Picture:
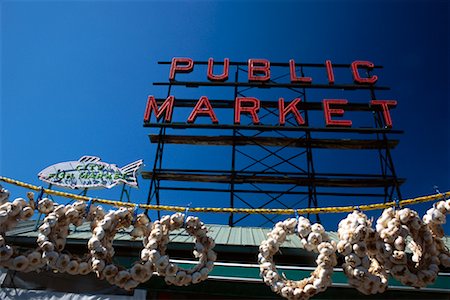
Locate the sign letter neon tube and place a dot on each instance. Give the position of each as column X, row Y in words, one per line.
column 291, row 108
column 330, row 73
column 251, row 106
column 385, row 107
column 335, row 111
column 294, row 77
column 358, row 79
column 166, row 107
column 256, row 67
column 181, row 65
column 221, row 77
column 203, row 107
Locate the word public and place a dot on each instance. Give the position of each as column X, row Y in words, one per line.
column 259, row 71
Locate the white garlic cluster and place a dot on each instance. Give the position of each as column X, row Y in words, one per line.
column 156, row 241
column 140, row 272
column 141, row 227
column 102, row 251
column 435, row 218
column 55, row 229
column 53, row 234
column 314, row 238
column 357, row 243
column 45, row 206
column 4, row 195
column 10, row 214
column 13, row 212
column 368, row 253
column 393, row 227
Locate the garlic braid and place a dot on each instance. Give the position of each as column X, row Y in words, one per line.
column 393, row 226
column 434, row 219
column 10, row 214
column 357, row 243
column 314, row 238
column 156, row 245
column 102, row 251
column 53, row 234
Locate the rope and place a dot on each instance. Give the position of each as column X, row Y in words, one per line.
column 322, row 210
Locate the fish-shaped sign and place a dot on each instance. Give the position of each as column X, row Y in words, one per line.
column 90, row 172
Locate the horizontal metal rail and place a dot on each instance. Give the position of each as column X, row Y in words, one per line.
column 271, row 128
column 339, row 194
column 270, row 179
column 222, row 140
column 274, row 85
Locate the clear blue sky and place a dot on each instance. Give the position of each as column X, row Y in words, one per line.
column 76, row 74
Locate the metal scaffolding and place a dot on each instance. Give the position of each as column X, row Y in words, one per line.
column 273, row 173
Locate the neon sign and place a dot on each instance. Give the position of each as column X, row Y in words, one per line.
column 259, row 71
column 90, row 172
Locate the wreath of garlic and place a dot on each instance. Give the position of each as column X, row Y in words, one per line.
column 156, row 244
column 54, row 231
column 435, row 218
column 357, row 243
column 393, row 227
column 313, row 238
column 10, row 214
column 102, row 251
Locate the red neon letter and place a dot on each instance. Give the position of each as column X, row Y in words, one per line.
column 203, row 107
column 330, row 73
column 290, row 108
column 258, row 69
column 186, row 66
column 359, row 79
column 385, row 107
column 339, row 112
column 252, row 107
column 166, row 107
column 294, row 77
column 221, row 77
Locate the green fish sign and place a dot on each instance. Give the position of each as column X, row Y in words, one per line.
column 90, row 172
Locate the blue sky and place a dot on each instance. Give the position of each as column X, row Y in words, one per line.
column 75, row 75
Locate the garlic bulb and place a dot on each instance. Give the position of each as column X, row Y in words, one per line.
column 5, row 252
column 45, row 206
column 73, row 267
column 20, row 263
column 4, row 195
column 121, row 278
column 34, row 258
column 84, row 268
column 130, row 285
column 139, row 272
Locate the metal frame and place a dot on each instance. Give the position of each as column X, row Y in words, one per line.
column 257, row 168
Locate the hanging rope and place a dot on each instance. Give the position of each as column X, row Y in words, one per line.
column 321, row 210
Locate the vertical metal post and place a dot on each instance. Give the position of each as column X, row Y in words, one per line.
column 386, row 161
column 36, row 225
column 233, row 156
column 125, row 192
column 157, row 165
column 312, row 191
